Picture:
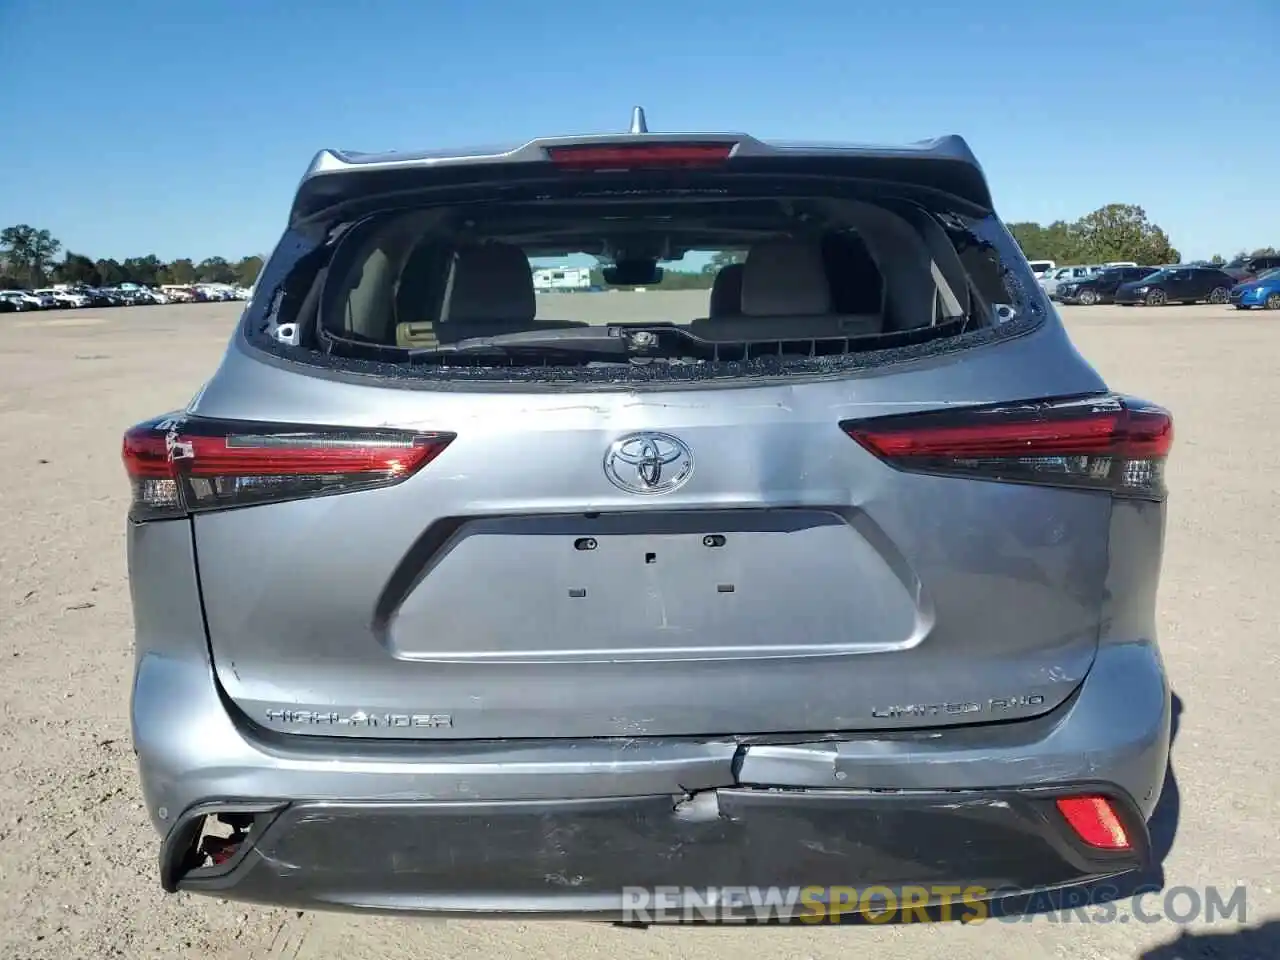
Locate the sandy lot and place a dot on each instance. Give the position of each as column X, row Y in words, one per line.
column 77, row 856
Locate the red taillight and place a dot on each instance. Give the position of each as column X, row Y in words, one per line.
column 1094, row 821
column 625, row 156
column 1102, row 442
column 186, row 465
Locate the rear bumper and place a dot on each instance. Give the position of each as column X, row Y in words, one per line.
column 558, row 828
column 608, row 858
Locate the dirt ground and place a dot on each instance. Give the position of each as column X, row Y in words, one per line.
column 77, row 854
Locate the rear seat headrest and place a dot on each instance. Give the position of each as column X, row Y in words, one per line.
column 726, row 292
column 785, row 277
column 491, row 281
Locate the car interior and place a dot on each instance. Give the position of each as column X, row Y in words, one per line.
column 837, row 270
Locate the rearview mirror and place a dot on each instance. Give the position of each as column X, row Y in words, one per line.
column 633, row 273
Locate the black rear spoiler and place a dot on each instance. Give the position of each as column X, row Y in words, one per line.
column 335, row 177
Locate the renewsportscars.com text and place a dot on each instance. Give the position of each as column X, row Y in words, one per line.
column 927, row 904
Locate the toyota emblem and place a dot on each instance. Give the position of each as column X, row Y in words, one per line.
column 648, row 463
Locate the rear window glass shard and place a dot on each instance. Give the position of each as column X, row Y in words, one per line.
column 604, row 285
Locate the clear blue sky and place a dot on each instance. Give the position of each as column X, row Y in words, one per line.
column 181, row 128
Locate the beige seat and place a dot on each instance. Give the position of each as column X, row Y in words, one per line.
column 490, row 293
column 785, row 295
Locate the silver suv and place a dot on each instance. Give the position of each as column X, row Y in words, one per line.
column 451, row 597
column 1054, row 279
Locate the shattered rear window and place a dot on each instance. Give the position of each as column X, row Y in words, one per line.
column 650, row 287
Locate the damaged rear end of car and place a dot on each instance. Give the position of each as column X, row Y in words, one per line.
column 840, row 570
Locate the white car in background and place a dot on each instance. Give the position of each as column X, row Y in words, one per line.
column 178, row 294
column 1040, row 267
column 64, row 298
column 1051, row 280
column 148, row 295
column 39, row 301
column 220, row 291
column 25, row 301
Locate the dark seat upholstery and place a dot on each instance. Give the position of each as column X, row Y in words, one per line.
column 726, row 292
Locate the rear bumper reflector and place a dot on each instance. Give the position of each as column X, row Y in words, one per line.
column 1095, row 822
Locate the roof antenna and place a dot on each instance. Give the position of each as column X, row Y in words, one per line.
column 638, row 123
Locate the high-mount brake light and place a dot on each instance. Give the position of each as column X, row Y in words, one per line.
column 1106, row 443
column 185, row 465
column 626, row 156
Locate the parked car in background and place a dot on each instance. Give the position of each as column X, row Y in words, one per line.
column 134, row 295
column 220, row 291
column 121, row 297
column 1261, row 291
column 1182, row 284
column 99, row 298
column 177, row 293
column 1243, row 269
column 64, row 298
column 1100, row 288
column 23, row 299
column 1061, row 275
column 149, row 297
column 1040, row 267
column 8, row 306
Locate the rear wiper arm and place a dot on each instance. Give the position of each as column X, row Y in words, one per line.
column 610, row 341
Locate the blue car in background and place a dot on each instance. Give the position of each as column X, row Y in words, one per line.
column 1262, row 291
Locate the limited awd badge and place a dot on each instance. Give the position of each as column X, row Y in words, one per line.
column 648, row 463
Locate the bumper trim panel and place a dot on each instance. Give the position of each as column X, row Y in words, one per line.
column 575, row 857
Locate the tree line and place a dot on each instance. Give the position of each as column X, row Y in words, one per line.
column 29, row 259
column 1118, row 231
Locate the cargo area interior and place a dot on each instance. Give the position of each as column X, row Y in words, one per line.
column 808, row 276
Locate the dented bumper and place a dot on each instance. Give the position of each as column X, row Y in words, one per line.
column 589, row 857
column 559, row 828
